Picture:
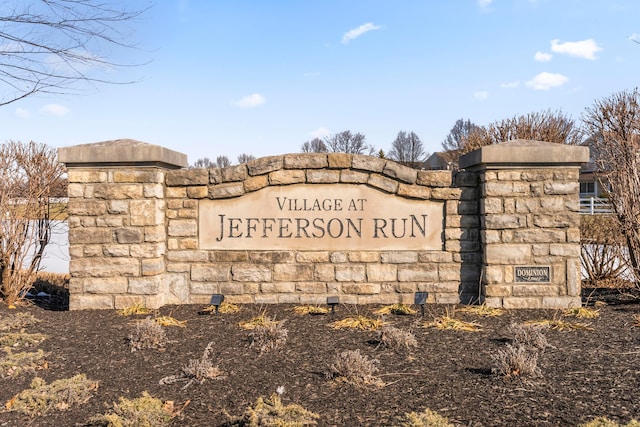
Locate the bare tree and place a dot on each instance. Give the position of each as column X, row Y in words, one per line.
column 50, row 46
column 347, row 142
column 204, row 162
column 408, row 149
column 614, row 123
column 244, row 158
column 29, row 175
column 316, row 145
column 222, row 162
column 458, row 135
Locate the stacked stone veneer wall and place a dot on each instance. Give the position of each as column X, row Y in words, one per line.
column 134, row 232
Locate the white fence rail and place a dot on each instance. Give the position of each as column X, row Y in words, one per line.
column 595, row 205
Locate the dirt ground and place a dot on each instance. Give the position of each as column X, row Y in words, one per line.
column 584, row 373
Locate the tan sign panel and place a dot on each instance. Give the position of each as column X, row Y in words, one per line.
column 320, row 217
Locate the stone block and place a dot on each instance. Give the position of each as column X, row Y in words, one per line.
column 117, row 191
column 338, row 257
column 266, row 299
column 491, row 205
column 539, row 236
column 287, row 176
column 494, row 274
column 178, row 288
column 534, row 290
column 229, row 256
column 129, row 235
column 188, row 256
column 556, row 188
column 350, row 273
column 156, row 233
column 145, row 285
column 234, row 173
column 197, row 192
column 399, row 257
column 561, row 302
column 226, row 190
column 557, row 220
column 521, row 302
column 208, row 288
column 250, row 273
column 210, row 273
column 322, row 176
column 255, row 183
column 111, row 285
column 91, row 302
column 446, row 193
column 435, row 178
column 383, row 183
column 339, row 160
column 85, row 176
column 116, row 250
column 231, row 288
column 507, row 253
column 153, row 191
column 186, row 177
column 278, row 287
column 139, row 176
column 363, row 257
column 183, row 228
column 288, row 298
column 448, row 272
column 565, row 250
column 360, row 289
column 147, row 212
column 436, row 257
column 400, row 172
column 89, row 207
column 264, row 165
column 368, row 163
column 502, row 221
column 175, row 192
column 147, row 250
column 271, row 257
column 418, row 273
column 414, row 191
column 293, row 272
column 110, row 221
column 311, row 287
column 324, row 272
column 382, row 272
column 104, row 267
column 448, row 298
column 305, row 161
column 354, row 177
column 313, row 257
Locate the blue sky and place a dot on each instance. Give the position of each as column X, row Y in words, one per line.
column 262, row 77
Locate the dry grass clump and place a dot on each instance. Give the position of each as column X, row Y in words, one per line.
column 396, row 338
column 14, row 364
column 170, row 321
column 358, row 322
column 144, row 411
column 529, row 335
column 17, row 321
column 147, row 334
column 59, row 395
column 561, row 325
column 197, row 370
column 426, row 418
column 605, row 422
column 271, row 412
column 516, row 361
column 636, row 320
column 269, row 336
column 398, row 308
column 260, row 320
column 482, row 310
column 224, row 308
column 21, row 339
column 448, row 321
column 355, row 368
column 582, row 312
column 134, row 309
column 311, row 310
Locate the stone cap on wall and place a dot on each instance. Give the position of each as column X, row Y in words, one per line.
column 121, row 152
column 523, row 152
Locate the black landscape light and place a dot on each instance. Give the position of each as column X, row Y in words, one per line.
column 332, row 302
column 216, row 300
column 421, row 299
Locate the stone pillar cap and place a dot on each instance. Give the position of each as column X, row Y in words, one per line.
column 121, row 152
column 524, row 152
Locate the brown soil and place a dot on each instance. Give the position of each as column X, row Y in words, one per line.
column 585, row 374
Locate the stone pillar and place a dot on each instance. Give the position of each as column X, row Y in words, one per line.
column 529, row 222
column 117, row 231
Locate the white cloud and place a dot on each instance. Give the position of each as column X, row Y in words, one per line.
column 55, row 110
column 357, row 32
column 22, row 113
column 484, row 3
column 542, row 57
column 582, row 49
column 321, row 132
column 481, row 95
column 546, row 81
column 250, row 101
column 510, row 85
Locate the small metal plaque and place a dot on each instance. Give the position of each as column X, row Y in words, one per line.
column 532, row 274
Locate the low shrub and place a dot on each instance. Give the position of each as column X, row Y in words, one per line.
column 352, row 367
column 396, row 339
column 147, row 334
column 426, row 418
column 59, row 395
column 516, row 361
column 170, row 321
column 269, row 336
column 17, row 321
column 197, row 370
column 21, row 339
column 134, row 309
column 605, row 422
column 144, row 411
column 529, row 335
column 271, row 412
column 14, row 364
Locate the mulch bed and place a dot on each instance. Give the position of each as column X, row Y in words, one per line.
column 585, row 374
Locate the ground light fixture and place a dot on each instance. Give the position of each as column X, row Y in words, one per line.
column 332, row 302
column 420, row 299
column 216, row 300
